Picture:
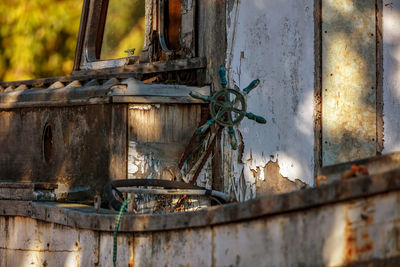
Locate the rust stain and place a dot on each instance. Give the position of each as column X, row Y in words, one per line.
column 354, row 171
column 132, row 248
column 370, row 219
column 351, row 250
column 321, row 180
column 365, row 235
column 366, row 247
column 358, row 244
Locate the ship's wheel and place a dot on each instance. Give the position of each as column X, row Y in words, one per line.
column 228, row 107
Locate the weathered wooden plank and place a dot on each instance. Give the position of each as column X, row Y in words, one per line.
column 107, row 64
column 348, row 80
column 118, row 142
column 17, row 185
column 124, row 72
column 163, row 123
column 62, row 103
column 26, row 191
column 153, row 67
column 188, row 27
column 212, row 36
column 158, row 135
column 17, row 193
column 125, row 92
column 155, row 100
column 136, row 87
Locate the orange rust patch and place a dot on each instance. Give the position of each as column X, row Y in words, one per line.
column 365, row 235
column 370, row 219
column 351, row 245
column 357, row 244
column 351, row 239
column 351, row 250
column 367, row 247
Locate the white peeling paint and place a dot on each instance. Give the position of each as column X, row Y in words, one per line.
column 144, row 165
column 391, row 76
column 144, row 106
column 274, row 41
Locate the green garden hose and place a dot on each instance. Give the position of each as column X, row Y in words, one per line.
column 121, row 211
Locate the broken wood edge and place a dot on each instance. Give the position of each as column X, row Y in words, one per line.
column 333, row 193
column 146, row 68
column 128, row 71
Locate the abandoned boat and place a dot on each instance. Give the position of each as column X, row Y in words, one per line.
column 157, row 159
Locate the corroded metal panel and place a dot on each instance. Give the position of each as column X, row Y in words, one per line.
column 357, row 232
column 348, row 80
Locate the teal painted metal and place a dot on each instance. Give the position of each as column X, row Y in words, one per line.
column 227, row 112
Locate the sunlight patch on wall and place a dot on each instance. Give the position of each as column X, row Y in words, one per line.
column 304, row 117
column 334, row 246
column 348, row 81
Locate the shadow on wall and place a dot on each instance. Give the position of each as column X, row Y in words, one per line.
column 391, row 75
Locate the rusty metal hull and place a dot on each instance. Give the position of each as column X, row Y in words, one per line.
column 343, row 223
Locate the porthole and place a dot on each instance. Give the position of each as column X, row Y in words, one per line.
column 47, row 143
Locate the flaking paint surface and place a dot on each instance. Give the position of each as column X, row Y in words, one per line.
column 338, row 234
column 348, row 80
column 272, row 41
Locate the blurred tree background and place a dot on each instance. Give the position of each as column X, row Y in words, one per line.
column 38, row 37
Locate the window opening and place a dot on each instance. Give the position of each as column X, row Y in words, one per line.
column 124, row 32
column 47, row 143
column 170, row 24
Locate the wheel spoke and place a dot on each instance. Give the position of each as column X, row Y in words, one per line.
column 218, row 104
column 235, row 101
column 230, row 120
column 226, row 94
column 237, row 110
column 220, row 113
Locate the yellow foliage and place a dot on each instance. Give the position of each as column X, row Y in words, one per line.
column 37, row 37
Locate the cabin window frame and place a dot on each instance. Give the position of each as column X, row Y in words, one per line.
column 91, row 33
